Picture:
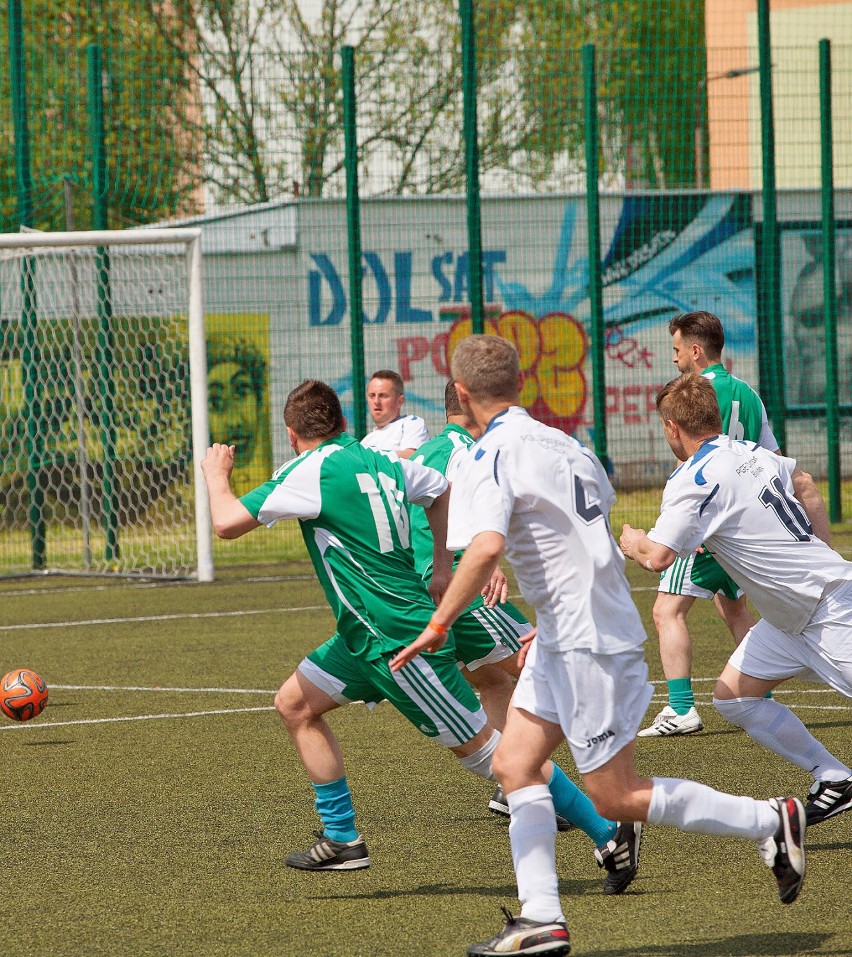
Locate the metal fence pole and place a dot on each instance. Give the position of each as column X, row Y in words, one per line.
column 773, row 364
column 28, row 340
column 832, row 412
column 106, row 346
column 353, row 230
column 596, row 324
column 471, row 152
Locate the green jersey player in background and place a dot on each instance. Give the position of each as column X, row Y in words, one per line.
column 697, row 341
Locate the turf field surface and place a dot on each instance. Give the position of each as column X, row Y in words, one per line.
column 148, row 810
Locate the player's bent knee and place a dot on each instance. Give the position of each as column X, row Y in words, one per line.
column 490, row 678
column 290, row 704
column 482, row 760
column 737, row 710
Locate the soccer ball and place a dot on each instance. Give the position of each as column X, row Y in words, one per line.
column 23, row 694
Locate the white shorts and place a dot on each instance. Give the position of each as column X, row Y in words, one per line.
column 599, row 701
column 822, row 652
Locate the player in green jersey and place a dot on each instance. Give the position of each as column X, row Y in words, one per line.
column 352, row 504
column 697, row 342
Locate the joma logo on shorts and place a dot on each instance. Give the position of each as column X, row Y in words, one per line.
column 599, row 737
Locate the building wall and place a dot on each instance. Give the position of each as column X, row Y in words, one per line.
column 733, row 105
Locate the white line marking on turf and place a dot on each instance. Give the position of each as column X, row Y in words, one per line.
column 141, row 717
column 116, row 585
column 29, row 626
column 161, row 688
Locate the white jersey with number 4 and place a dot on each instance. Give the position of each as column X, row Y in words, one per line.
column 737, row 499
column 550, row 498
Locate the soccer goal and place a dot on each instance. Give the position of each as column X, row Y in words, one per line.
column 103, row 404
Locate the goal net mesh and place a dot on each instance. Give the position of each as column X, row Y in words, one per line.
column 96, row 470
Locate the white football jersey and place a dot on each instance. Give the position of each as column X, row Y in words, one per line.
column 406, row 432
column 550, row 498
column 737, row 499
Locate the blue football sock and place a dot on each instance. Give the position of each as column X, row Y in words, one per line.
column 572, row 804
column 681, row 698
column 334, row 806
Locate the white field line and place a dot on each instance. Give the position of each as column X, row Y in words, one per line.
column 68, row 589
column 201, row 714
column 139, row 717
column 30, row 626
column 162, row 688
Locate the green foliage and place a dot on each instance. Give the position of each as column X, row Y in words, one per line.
column 242, row 99
column 152, row 169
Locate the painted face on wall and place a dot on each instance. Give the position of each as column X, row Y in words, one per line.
column 233, row 410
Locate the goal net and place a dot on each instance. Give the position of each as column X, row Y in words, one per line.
column 103, row 407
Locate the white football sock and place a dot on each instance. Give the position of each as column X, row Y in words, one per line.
column 480, row 761
column 691, row 806
column 774, row 725
column 532, row 833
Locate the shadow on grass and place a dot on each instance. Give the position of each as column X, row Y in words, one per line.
column 508, row 891
column 743, row 945
column 56, row 742
column 833, row 846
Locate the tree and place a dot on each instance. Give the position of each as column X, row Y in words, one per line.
column 151, row 172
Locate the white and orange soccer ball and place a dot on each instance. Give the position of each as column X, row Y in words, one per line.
column 23, row 694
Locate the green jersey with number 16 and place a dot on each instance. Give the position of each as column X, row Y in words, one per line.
column 743, row 413
column 441, row 454
column 352, row 506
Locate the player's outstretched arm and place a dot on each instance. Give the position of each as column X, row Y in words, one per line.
column 651, row 555
column 475, row 569
column 231, row 518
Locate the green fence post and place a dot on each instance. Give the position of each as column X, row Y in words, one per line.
column 832, row 411
column 773, row 364
column 593, row 215
column 471, row 155
column 105, row 347
column 353, row 230
column 28, row 342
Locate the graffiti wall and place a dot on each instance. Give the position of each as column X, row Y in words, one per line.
column 662, row 255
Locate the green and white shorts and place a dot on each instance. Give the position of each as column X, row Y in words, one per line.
column 487, row 635
column 699, row 576
column 430, row 690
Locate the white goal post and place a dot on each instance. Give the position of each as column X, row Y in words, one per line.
column 103, row 404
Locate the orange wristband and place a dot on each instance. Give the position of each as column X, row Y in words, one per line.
column 441, row 629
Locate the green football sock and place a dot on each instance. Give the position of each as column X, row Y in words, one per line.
column 681, row 698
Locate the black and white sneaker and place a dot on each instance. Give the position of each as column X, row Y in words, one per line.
column 329, row 855
column 523, row 936
column 620, row 857
column 668, row 723
column 828, row 798
column 499, row 805
column 784, row 851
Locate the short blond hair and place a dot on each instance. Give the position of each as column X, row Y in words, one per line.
column 488, row 367
column 690, row 402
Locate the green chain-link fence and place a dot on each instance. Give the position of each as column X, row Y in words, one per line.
column 706, row 123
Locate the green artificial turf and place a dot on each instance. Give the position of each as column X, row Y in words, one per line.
column 166, row 835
